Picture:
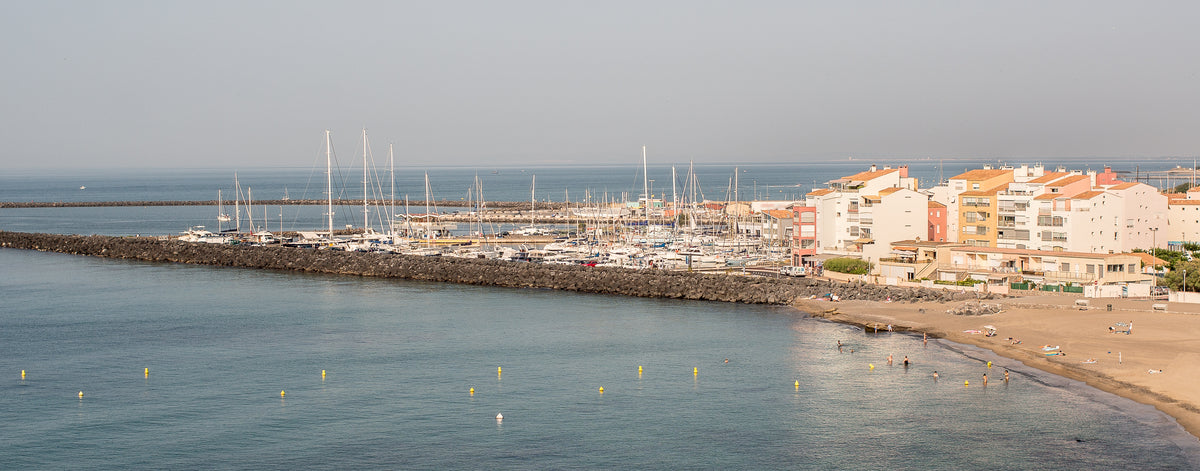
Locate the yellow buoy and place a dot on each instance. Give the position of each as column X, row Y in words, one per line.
column 22, row 374
column 797, row 385
column 81, row 394
column 695, row 371
column 871, row 365
column 472, row 391
column 499, row 370
column 322, row 374
column 966, row 383
column 147, row 372
column 281, row 393
column 639, row 369
column 601, row 389
column 989, row 364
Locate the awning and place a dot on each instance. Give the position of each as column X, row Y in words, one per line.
column 864, row 241
column 904, row 252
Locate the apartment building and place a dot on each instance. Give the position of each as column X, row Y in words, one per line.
column 937, row 222
column 864, row 212
column 983, row 184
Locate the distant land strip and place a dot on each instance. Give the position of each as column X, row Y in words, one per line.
column 339, row 202
column 603, row 280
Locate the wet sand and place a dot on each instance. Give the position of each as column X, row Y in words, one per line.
column 1167, row 341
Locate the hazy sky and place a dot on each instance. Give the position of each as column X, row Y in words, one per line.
column 230, row 84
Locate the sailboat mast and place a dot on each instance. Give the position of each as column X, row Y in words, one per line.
column 532, row 200
column 329, row 182
column 237, row 203
column 674, row 198
column 392, row 208
column 646, row 187
column 250, row 208
column 428, row 215
column 366, row 217
column 219, row 208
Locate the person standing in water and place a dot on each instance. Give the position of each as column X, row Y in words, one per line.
column 889, row 360
column 906, row 361
column 935, row 375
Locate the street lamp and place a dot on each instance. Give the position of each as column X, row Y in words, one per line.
column 1154, row 253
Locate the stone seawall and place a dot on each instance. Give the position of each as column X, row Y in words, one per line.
column 642, row 283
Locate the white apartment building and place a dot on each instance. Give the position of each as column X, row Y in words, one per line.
column 1111, row 219
column 867, row 211
column 1183, row 219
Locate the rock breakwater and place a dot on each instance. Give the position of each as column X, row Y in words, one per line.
column 626, row 282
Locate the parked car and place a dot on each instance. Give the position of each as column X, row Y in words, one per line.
column 793, row 271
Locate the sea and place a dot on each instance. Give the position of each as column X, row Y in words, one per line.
column 199, row 367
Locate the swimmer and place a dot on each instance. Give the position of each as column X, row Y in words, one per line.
column 905, row 360
column 889, row 360
column 726, row 360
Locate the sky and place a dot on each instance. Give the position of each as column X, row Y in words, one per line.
column 223, row 84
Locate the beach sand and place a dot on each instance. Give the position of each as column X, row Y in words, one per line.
column 1167, row 341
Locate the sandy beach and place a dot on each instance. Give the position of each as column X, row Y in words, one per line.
column 1168, row 341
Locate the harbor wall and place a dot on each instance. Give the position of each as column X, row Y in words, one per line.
column 619, row 281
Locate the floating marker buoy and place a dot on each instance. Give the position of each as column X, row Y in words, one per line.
column 797, row 385
column 695, row 371
column 472, row 391
column 989, row 364
column 281, row 394
column 499, row 417
column 147, row 372
column 499, row 370
column 81, row 394
column 601, row 389
column 871, row 365
column 966, row 383
column 639, row 369
column 22, row 374
column 322, row 374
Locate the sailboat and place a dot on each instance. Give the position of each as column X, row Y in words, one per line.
column 532, row 229
column 221, row 216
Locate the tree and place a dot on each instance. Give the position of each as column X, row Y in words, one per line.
column 853, row 266
column 1172, row 258
column 1174, row 278
column 1182, row 187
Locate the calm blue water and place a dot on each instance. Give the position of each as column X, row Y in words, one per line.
column 401, row 357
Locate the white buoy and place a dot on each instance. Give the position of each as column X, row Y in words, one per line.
column 499, row 417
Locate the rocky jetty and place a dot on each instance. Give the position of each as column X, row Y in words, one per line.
column 626, row 282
